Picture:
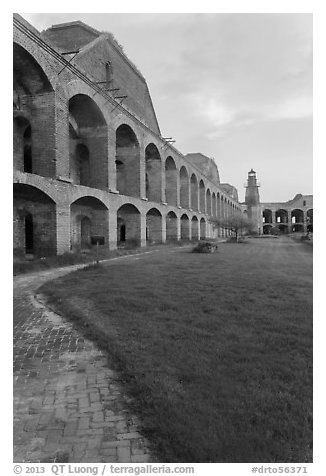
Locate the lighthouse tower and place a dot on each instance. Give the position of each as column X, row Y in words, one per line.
column 252, row 202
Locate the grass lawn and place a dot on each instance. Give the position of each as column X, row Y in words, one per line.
column 216, row 349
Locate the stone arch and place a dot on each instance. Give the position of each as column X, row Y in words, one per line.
column 78, row 87
column 30, row 77
column 171, row 226
column 153, row 226
column 202, row 205
column 267, row 216
column 184, row 187
column 88, row 223
column 281, row 216
column 38, row 57
column 194, row 192
column 171, row 182
column 88, row 138
column 35, row 234
column 194, row 228
column 185, row 227
column 267, row 229
column 128, row 215
column 127, row 161
column 297, row 216
column 33, row 97
column 153, row 171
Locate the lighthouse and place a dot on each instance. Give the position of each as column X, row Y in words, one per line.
column 252, row 201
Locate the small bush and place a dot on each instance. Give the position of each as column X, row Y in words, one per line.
column 305, row 237
column 205, row 247
column 233, row 239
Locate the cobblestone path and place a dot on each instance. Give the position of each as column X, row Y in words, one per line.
column 68, row 405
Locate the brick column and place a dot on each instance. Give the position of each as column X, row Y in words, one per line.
column 304, row 221
column 112, row 220
column 178, row 228
column 142, row 171
column 63, row 228
column 112, row 169
column 178, row 188
column 143, row 230
column 189, row 194
column 163, row 228
column 163, row 182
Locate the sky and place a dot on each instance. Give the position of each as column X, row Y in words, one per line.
column 236, row 87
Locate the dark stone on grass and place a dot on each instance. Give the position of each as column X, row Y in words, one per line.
column 205, row 247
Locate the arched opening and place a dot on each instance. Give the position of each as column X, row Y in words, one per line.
column 218, row 205
column 310, row 220
column 85, row 232
column 281, row 216
column 88, row 139
column 202, row 206
column 33, row 98
column 22, row 147
column 267, row 229
column 171, row 226
column 185, row 231
column 283, row 228
column 154, row 226
column 129, row 224
column 89, row 223
column 202, row 229
column 209, row 202
column 83, row 170
column 184, row 188
column 214, row 204
column 171, row 182
column 121, row 231
column 153, row 173
column 28, row 163
column 194, row 192
column 34, row 227
column 127, row 161
column 223, row 232
column 29, row 234
column 121, row 176
column 267, row 216
column 297, row 218
column 297, row 228
column 194, row 228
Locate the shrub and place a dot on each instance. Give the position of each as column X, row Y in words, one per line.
column 233, row 239
column 305, row 237
column 205, row 247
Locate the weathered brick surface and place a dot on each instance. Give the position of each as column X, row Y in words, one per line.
column 53, row 97
column 67, row 402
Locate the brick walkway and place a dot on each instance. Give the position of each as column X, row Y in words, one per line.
column 68, row 405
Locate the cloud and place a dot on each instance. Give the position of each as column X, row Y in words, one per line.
column 232, row 70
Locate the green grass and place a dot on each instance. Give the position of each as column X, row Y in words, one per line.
column 215, row 349
column 22, row 265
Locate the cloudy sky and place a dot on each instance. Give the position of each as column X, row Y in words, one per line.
column 236, row 87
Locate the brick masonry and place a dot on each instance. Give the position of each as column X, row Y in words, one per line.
column 65, row 109
column 68, row 404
